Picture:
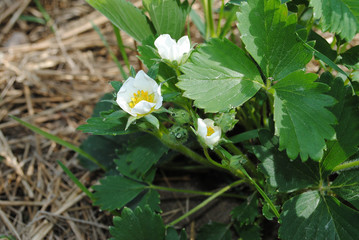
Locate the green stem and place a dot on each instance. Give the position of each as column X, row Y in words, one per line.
column 239, row 171
column 210, row 18
column 205, row 202
column 346, row 165
column 121, row 46
column 211, row 160
column 221, row 13
column 178, row 72
column 160, row 188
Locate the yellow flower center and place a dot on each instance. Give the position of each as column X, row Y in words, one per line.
column 210, row 131
column 141, row 95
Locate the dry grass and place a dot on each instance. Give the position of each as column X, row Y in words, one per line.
column 51, row 80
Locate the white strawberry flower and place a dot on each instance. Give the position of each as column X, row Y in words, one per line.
column 171, row 50
column 139, row 96
column 209, row 133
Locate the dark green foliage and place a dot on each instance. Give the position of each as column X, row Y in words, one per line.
column 139, row 156
column 269, row 35
column 346, row 185
column 313, row 216
column 301, row 118
column 347, row 112
column 115, row 192
column 214, row 231
column 140, row 224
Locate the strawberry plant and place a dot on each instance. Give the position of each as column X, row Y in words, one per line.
column 240, row 103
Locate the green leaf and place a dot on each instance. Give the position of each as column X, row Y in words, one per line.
column 322, row 46
column 269, row 35
column 153, row 120
column 339, row 16
column 214, row 231
column 350, row 57
column 302, row 121
column 28, row 18
column 172, row 234
column 148, row 56
column 251, row 134
column 125, row 16
column 312, row 216
column 168, row 16
column 246, row 212
column 102, row 148
column 103, row 126
column 150, row 197
column 347, row 129
column 115, row 192
column 231, row 80
column 116, row 85
column 140, row 224
column 267, row 211
column 252, row 232
column 226, row 121
column 141, row 154
column 346, row 185
column 323, row 57
column 284, row 174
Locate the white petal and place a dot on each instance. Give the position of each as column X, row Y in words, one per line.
column 203, row 125
column 169, row 49
column 123, row 103
column 124, row 95
column 208, row 122
column 132, row 85
column 144, row 82
column 142, row 107
column 165, row 45
column 212, row 141
column 158, row 97
column 202, row 128
column 184, row 46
